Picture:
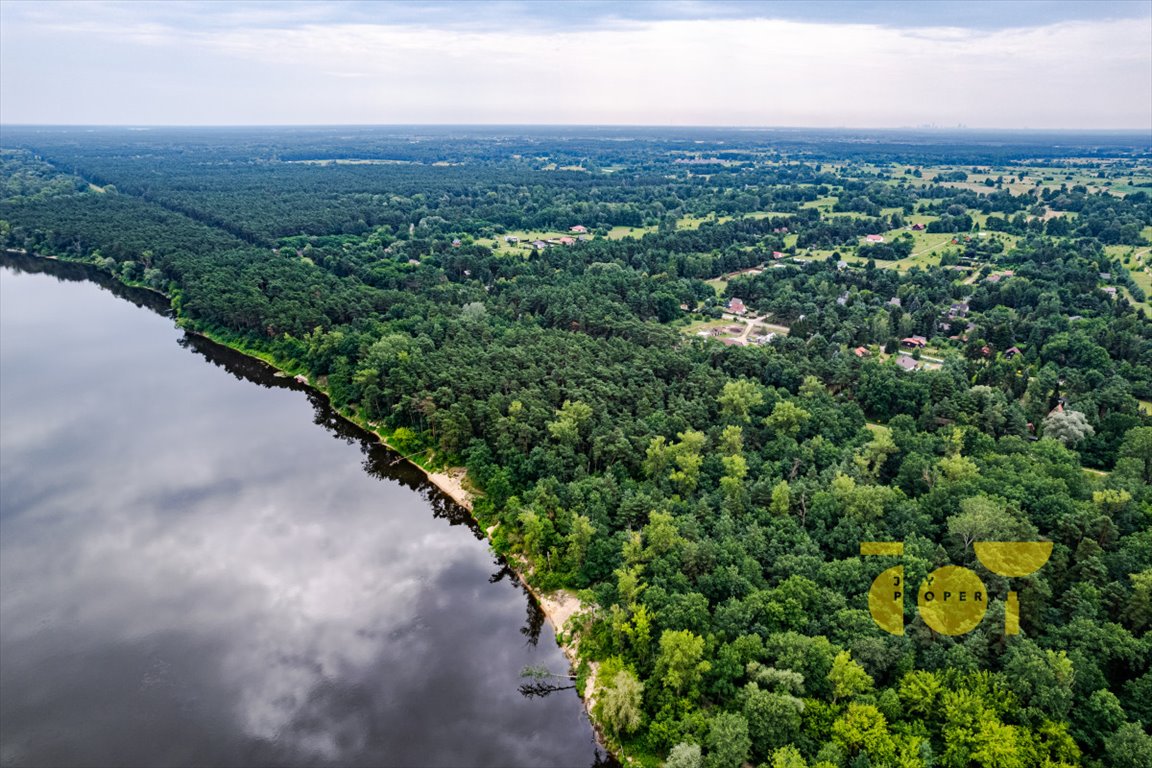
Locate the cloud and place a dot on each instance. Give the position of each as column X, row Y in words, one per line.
column 204, row 571
column 311, row 68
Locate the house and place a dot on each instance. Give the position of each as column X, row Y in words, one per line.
column 918, row 227
column 959, row 309
column 456, row 243
column 511, row 239
column 567, row 240
column 914, row 342
column 906, row 363
column 579, row 229
column 841, row 265
column 1105, row 275
column 894, row 301
column 1110, row 290
column 874, row 238
column 737, row 306
column 730, row 342
column 414, row 262
column 861, row 352
column 986, row 351
column 540, row 244
column 780, row 230
column 777, row 255
column 1011, row 352
column 993, row 278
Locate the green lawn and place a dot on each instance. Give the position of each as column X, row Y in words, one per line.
column 1049, row 177
column 619, row 233
column 719, row 284
column 696, row 326
column 1139, row 265
column 693, row 222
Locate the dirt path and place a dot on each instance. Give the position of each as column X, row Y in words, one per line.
column 752, row 322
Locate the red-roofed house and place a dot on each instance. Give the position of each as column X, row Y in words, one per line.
column 579, row 229
column 737, row 306
column 567, row 240
column 861, row 352
column 874, row 238
column 1011, row 352
column 777, row 255
column 914, row 341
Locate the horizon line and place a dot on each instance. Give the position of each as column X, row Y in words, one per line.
column 697, row 126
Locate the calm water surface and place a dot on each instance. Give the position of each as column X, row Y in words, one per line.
column 200, row 564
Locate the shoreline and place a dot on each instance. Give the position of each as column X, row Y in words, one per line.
column 558, row 607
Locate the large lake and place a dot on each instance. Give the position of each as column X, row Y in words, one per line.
column 201, row 564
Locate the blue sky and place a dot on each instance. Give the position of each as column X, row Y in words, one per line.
column 1040, row 64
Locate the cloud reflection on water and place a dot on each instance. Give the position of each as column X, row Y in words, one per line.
column 192, row 572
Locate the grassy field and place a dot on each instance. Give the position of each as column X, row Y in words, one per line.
column 1044, row 177
column 719, row 284
column 1138, row 261
column 619, row 233
column 694, row 222
column 825, row 205
column 696, row 326
column 1143, row 278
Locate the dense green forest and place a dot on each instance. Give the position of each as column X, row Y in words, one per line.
column 689, row 373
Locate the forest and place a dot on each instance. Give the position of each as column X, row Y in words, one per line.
column 690, row 373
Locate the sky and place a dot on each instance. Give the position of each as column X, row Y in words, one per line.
column 1038, row 64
